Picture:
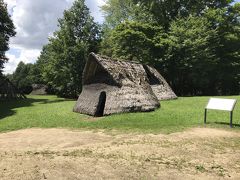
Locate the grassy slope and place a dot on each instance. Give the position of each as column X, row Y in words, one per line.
column 50, row 111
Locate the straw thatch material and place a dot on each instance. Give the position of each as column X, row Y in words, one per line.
column 113, row 86
column 159, row 85
column 8, row 90
column 39, row 89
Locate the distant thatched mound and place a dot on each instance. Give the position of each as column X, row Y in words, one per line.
column 113, row 86
column 8, row 90
column 39, row 89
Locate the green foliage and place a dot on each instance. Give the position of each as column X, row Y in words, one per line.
column 53, row 112
column 23, row 78
column 119, row 11
column 190, row 62
column 227, row 23
column 63, row 59
column 195, row 45
column 164, row 12
column 186, row 55
column 138, row 42
column 6, row 31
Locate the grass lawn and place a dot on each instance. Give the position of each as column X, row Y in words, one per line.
column 51, row 112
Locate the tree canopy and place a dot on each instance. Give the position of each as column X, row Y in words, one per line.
column 6, row 31
column 62, row 60
column 23, row 78
column 166, row 11
column 188, row 41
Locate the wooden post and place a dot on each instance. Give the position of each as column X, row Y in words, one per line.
column 231, row 116
column 205, row 116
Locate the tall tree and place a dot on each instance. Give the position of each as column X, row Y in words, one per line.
column 195, row 44
column 166, row 11
column 190, row 62
column 137, row 41
column 22, row 78
column 118, row 11
column 186, row 55
column 65, row 55
column 227, row 23
column 6, row 31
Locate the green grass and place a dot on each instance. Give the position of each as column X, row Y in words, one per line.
column 50, row 112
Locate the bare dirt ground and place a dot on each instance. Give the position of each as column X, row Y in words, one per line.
column 199, row 153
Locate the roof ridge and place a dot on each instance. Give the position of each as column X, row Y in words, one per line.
column 114, row 59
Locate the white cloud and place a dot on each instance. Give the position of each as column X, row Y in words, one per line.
column 35, row 21
column 13, row 61
column 10, row 4
column 26, row 55
column 94, row 6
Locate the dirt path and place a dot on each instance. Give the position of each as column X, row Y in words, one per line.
column 200, row 153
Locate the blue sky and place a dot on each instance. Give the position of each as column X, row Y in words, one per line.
column 35, row 21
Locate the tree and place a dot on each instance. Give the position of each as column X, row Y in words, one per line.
column 22, row 78
column 190, row 62
column 6, row 31
column 186, row 55
column 138, row 42
column 166, row 11
column 195, row 44
column 65, row 56
column 227, row 23
column 117, row 12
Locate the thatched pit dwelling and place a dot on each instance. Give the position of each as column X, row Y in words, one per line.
column 114, row 86
column 39, row 89
column 8, row 90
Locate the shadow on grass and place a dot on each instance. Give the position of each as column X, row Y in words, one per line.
column 225, row 123
column 7, row 107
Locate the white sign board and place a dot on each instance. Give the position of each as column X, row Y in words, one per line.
column 221, row 104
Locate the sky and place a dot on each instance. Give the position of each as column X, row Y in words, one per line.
column 35, row 21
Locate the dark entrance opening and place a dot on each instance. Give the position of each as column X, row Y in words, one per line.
column 153, row 80
column 101, row 104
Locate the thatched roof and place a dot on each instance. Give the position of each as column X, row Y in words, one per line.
column 159, row 85
column 39, row 89
column 124, row 85
column 8, row 90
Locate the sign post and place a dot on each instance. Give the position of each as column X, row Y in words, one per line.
column 220, row 104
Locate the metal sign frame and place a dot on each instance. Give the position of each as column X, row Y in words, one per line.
column 234, row 101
